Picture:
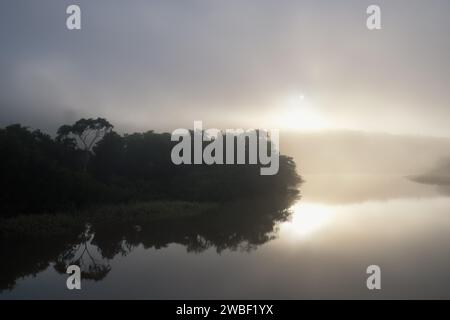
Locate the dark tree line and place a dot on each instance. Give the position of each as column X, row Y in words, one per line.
column 89, row 163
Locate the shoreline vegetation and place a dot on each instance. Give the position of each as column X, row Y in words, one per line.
column 92, row 238
column 430, row 179
column 89, row 174
column 137, row 215
column 438, row 176
column 73, row 223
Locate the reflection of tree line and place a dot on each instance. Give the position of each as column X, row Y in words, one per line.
column 242, row 224
column 238, row 225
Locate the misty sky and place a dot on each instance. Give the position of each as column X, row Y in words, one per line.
column 231, row 63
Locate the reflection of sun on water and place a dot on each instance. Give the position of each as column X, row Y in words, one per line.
column 307, row 218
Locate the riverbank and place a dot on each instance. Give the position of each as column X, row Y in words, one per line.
column 73, row 223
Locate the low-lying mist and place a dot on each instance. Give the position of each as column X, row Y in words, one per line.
column 354, row 152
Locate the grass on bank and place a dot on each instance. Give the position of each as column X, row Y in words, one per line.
column 65, row 224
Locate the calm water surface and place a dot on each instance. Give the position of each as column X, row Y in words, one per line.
column 319, row 248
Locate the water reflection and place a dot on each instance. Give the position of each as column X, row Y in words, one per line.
column 239, row 226
column 317, row 247
column 83, row 255
column 307, row 218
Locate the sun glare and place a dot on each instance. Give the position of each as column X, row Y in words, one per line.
column 298, row 113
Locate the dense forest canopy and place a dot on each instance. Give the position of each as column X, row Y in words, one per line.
column 89, row 163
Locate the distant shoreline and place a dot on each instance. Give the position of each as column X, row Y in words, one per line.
column 440, row 180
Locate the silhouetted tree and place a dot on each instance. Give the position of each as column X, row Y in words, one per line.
column 85, row 133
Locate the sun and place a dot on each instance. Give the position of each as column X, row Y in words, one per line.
column 298, row 113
